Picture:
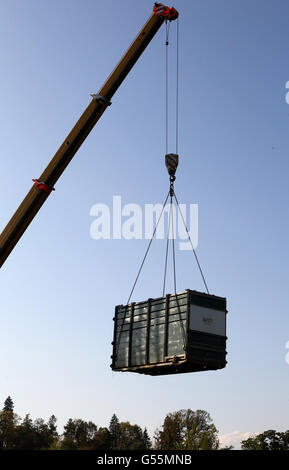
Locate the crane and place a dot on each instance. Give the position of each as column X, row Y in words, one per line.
column 44, row 185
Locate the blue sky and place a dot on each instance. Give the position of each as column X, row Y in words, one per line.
column 59, row 286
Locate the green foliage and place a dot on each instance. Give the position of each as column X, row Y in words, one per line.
column 52, row 426
column 268, row 440
column 8, row 427
column 8, row 405
column 114, row 430
column 25, row 435
column 146, row 439
column 187, row 430
column 35, row 435
column 102, row 440
column 131, row 437
column 78, row 434
column 126, row 436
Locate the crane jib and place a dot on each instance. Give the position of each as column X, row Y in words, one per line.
column 44, row 185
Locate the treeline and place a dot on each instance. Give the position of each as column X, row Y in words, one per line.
column 184, row 429
column 26, row 434
column 181, row 430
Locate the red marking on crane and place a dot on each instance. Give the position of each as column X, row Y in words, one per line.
column 43, row 186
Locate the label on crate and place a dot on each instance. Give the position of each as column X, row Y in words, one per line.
column 207, row 320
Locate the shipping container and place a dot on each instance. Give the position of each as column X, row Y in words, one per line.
column 178, row 333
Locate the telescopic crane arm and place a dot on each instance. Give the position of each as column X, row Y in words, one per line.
column 43, row 186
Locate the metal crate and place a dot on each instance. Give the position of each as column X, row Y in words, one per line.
column 178, row 333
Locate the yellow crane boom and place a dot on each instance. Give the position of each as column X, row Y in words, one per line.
column 43, row 186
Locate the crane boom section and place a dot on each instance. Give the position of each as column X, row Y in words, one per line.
column 42, row 187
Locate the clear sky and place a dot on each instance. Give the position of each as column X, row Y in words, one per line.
column 59, row 287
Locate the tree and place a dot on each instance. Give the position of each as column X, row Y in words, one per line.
column 146, row 440
column 78, row 434
column 187, row 430
column 53, row 434
column 170, row 438
column 126, row 436
column 8, row 426
column 268, row 440
column 25, row 435
column 52, row 426
column 114, row 430
column 131, row 437
column 45, row 434
column 8, row 405
column 102, row 440
column 35, row 435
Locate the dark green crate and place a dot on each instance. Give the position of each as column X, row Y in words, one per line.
column 178, row 333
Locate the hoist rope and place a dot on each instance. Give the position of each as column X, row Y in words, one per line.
column 173, row 246
column 149, row 245
column 193, row 249
column 177, row 148
column 167, row 84
column 177, row 91
column 166, row 257
column 167, row 248
column 171, row 230
column 171, row 192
